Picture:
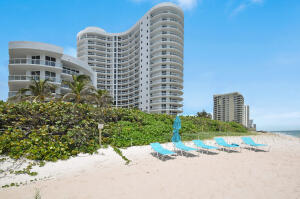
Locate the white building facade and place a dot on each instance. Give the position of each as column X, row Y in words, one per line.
column 246, row 116
column 39, row 61
column 142, row 67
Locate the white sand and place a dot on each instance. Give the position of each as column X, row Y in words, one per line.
column 249, row 174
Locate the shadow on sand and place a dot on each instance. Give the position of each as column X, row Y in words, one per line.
column 254, row 149
column 185, row 154
column 228, row 150
column 162, row 157
column 202, row 151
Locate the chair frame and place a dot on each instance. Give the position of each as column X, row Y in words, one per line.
column 175, row 148
column 207, row 150
column 160, row 154
column 228, row 147
column 255, row 147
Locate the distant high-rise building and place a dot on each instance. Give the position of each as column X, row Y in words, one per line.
column 246, row 116
column 229, row 107
column 251, row 125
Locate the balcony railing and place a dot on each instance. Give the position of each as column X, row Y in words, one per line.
column 12, row 93
column 165, row 94
column 34, row 62
column 69, row 72
column 167, row 108
column 165, row 87
column 166, row 101
column 31, row 77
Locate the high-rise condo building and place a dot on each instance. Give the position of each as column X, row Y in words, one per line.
column 246, row 116
column 143, row 66
column 229, row 107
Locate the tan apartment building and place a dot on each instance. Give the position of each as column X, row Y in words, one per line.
column 229, row 107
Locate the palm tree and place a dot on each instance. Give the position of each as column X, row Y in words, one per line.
column 102, row 98
column 80, row 89
column 20, row 96
column 39, row 90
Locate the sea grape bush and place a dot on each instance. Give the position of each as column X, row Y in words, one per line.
column 47, row 131
column 57, row 130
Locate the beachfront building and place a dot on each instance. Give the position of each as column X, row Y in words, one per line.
column 39, row 61
column 229, row 107
column 251, row 125
column 143, row 66
column 246, row 116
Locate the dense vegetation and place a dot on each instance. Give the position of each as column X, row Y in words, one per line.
column 58, row 130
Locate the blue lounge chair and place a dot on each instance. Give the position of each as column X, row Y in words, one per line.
column 179, row 145
column 221, row 142
column 200, row 144
column 160, row 150
column 250, row 142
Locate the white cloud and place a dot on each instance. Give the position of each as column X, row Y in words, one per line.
column 245, row 4
column 238, row 9
column 70, row 51
column 184, row 4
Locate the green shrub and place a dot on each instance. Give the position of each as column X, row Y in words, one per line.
column 57, row 130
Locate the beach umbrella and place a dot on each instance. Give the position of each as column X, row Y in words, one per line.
column 176, row 127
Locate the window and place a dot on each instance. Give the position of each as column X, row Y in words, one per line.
column 35, row 75
column 35, row 59
column 50, row 61
column 50, row 75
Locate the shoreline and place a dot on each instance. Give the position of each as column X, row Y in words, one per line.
column 284, row 133
column 86, row 171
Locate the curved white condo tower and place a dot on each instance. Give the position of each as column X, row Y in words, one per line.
column 142, row 67
column 34, row 60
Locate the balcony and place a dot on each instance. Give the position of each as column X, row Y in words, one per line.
column 65, row 71
column 177, row 109
column 12, row 93
column 31, row 77
column 166, row 94
column 34, row 62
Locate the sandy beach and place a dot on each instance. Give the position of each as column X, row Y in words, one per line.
column 247, row 174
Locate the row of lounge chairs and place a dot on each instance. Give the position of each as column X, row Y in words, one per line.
column 222, row 145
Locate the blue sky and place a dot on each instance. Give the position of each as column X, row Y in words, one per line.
column 249, row 46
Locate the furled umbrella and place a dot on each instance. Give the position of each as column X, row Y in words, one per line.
column 176, row 127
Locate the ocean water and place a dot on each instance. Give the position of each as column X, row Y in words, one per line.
column 295, row 133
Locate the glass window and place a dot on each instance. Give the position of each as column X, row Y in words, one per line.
column 35, row 59
column 35, row 75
